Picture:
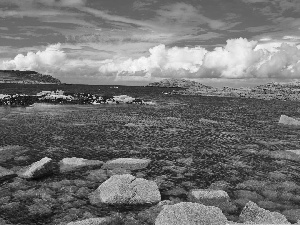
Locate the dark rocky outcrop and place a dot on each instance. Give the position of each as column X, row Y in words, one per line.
column 26, row 77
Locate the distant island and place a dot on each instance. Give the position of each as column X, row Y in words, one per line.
column 274, row 90
column 26, row 77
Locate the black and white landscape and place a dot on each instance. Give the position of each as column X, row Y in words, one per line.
column 146, row 112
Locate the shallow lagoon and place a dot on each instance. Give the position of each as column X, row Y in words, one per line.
column 221, row 135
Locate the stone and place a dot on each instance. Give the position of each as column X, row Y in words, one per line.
column 6, row 174
column 208, row 196
column 10, row 152
column 293, row 215
column 126, row 189
column 97, row 175
column 288, row 120
column 277, row 176
column 39, row 210
column 70, row 164
column 189, row 213
column 252, row 213
column 251, row 185
column 269, row 205
column 282, row 155
column 186, row 161
column 38, row 169
column 91, row 221
column 219, row 185
column 251, row 195
column 127, row 163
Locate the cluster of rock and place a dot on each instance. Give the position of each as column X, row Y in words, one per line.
column 269, row 91
column 60, row 97
column 26, row 77
column 117, row 187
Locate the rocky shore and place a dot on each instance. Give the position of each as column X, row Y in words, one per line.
column 60, row 97
column 269, row 91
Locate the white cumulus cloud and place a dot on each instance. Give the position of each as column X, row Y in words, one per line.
column 239, row 58
column 51, row 59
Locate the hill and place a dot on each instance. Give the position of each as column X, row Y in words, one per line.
column 178, row 83
column 26, row 77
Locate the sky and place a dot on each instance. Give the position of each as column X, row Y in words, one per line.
column 135, row 42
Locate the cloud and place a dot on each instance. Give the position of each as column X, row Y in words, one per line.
column 51, row 59
column 240, row 58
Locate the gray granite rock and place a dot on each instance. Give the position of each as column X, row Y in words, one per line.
column 208, row 196
column 38, row 169
column 70, row 164
column 6, row 174
column 293, row 215
column 252, row 213
column 126, row 189
column 189, row 213
column 91, row 221
column 127, row 163
column 286, row 120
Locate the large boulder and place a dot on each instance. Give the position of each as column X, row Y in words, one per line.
column 70, row 164
column 126, row 189
column 38, row 169
column 189, row 213
column 6, row 174
column 127, row 163
column 288, row 120
column 252, row 213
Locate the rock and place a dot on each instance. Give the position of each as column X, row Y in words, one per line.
column 269, row 205
column 188, row 213
column 293, row 215
column 38, row 169
column 219, row 185
column 97, row 175
column 6, row 174
column 186, row 161
column 39, row 210
column 127, row 163
column 92, row 221
column 251, row 195
column 252, row 185
column 270, row 194
column 10, row 151
column 252, row 213
column 277, row 176
column 281, row 155
column 126, row 189
column 70, row 164
column 288, row 120
column 208, row 196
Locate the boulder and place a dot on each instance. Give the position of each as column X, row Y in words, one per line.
column 293, row 215
column 6, row 174
column 92, row 221
column 288, row 120
column 252, row 213
column 189, row 213
column 126, row 189
column 250, row 195
column 127, row 163
column 208, row 196
column 10, row 151
column 70, row 164
column 38, row 169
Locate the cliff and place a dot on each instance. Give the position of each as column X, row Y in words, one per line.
column 26, row 77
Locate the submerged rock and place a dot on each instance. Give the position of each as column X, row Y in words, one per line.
column 288, row 120
column 127, row 163
column 188, row 213
column 6, row 174
column 126, row 189
column 69, row 164
column 38, row 169
column 208, row 196
column 92, row 221
column 252, row 213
